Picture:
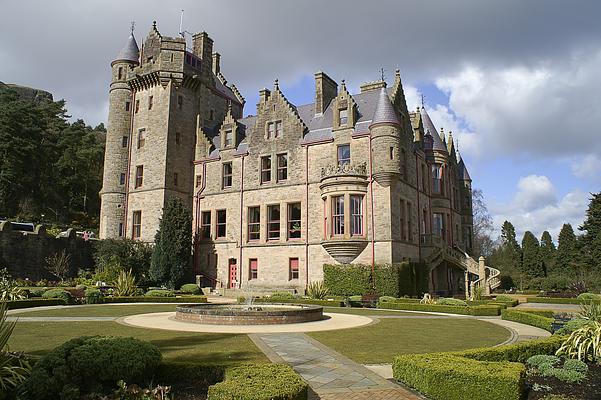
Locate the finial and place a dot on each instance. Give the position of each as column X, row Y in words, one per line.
column 382, row 74
column 229, row 106
column 133, row 26
column 154, row 24
column 343, row 84
column 422, row 101
column 397, row 72
column 276, row 83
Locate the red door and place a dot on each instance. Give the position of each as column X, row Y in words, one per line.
column 233, row 269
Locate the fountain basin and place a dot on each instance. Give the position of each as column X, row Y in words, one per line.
column 239, row 314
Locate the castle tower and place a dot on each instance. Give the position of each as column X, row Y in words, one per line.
column 117, row 141
column 385, row 131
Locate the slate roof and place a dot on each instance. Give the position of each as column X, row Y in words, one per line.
column 384, row 111
column 129, row 52
column 429, row 127
column 462, row 172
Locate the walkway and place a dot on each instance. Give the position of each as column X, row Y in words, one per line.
column 330, row 375
column 558, row 308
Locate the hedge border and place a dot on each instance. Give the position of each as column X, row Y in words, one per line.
column 148, row 299
column 558, row 300
column 484, row 310
column 30, row 303
column 325, row 303
column 529, row 318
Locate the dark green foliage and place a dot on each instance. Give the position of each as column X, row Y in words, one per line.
column 518, row 352
column 571, row 326
column 592, row 222
column 260, row 382
column 566, row 256
column 144, row 299
column 484, row 310
column 325, row 303
column 160, row 293
column 555, row 300
column 347, row 279
column 59, row 294
column 93, row 296
column 190, row 288
column 532, row 265
column 547, row 252
column 170, row 263
column 89, row 364
column 508, row 257
column 126, row 253
column 18, row 304
column 528, row 318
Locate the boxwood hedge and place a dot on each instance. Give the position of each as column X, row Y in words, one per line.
column 149, row 299
column 557, row 300
column 484, row 310
column 260, row 382
column 27, row 303
column 529, row 318
column 325, row 303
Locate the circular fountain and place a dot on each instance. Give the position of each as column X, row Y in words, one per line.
column 243, row 314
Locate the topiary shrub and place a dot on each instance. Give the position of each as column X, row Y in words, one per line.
column 160, row 293
column 90, row 364
column 451, row 302
column 190, row 288
column 93, row 296
column 260, row 382
column 59, row 294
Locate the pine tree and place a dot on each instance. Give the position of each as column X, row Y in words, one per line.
column 547, row 252
column 532, row 266
column 170, row 263
column 510, row 250
column 566, row 256
column 592, row 223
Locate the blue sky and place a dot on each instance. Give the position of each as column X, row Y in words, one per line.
column 517, row 82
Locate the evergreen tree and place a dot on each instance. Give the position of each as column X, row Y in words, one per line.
column 547, row 252
column 592, row 222
column 170, row 263
column 532, row 266
column 510, row 250
column 566, row 256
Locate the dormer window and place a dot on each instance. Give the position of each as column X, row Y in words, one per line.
column 274, row 129
column 229, row 138
column 343, row 117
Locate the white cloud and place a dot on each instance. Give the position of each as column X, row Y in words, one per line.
column 587, row 167
column 536, row 208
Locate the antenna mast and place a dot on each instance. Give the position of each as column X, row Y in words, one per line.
column 181, row 24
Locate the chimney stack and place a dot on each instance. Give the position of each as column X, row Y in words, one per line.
column 216, row 63
column 326, row 89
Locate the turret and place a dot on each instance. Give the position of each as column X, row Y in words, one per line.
column 385, row 130
column 121, row 105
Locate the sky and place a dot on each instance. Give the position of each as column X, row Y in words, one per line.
column 517, row 82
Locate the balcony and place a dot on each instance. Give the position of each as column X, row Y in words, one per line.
column 344, row 250
column 343, row 178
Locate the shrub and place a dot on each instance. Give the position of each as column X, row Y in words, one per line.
column 575, row 365
column 590, row 311
column 91, row 364
column 387, row 299
column 556, row 300
column 517, row 352
column 59, row 294
column 588, row 297
column 347, row 279
column 36, row 292
column 80, row 287
column 93, row 296
column 477, row 310
column 145, row 299
column 451, row 302
column 317, row 290
column 446, row 376
column 571, row 326
column 127, row 254
column 565, row 375
column 540, row 359
column 9, row 290
column 14, row 368
column 504, row 299
column 583, row 344
column 160, row 293
column 190, row 288
column 282, row 296
column 318, row 302
column 125, row 285
column 528, row 319
column 260, row 382
column 59, row 264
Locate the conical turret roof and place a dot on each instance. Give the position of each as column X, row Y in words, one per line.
column 129, row 52
column 438, row 144
column 384, row 112
column 462, row 170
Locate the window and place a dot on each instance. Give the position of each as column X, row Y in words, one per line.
column 265, row 169
column 180, row 102
column 424, row 179
column 226, row 175
column 356, row 215
column 198, row 180
column 139, row 176
column 409, row 224
column 137, row 106
column 343, row 117
column 124, row 141
column 175, row 179
column 438, row 224
column 273, row 222
column 120, row 73
column 211, row 115
column 294, row 221
column 136, row 225
column 253, row 269
column 404, row 164
column 338, row 215
column 270, row 130
column 149, row 59
column 205, row 225
column 221, row 223
column 282, row 167
column 122, row 179
column 150, row 98
column 391, row 153
column 425, row 221
column 403, row 219
column 120, row 229
column 178, row 137
column 293, row 268
column 278, row 129
column 141, row 137
column 344, row 154
column 254, row 223
column 436, row 179
column 229, row 138
column 127, row 105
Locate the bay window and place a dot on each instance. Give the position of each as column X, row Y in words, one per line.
column 338, row 215
column 356, row 215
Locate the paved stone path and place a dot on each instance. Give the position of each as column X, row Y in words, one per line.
column 330, row 375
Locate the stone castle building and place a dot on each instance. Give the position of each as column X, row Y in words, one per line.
column 274, row 196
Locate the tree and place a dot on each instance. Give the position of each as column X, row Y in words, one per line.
column 173, row 243
column 532, row 266
column 566, row 256
column 547, row 252
column 592, row 223
column 483, row 244
column 59, row 264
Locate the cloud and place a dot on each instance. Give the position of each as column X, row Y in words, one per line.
column 536, row 208
column 587, row 167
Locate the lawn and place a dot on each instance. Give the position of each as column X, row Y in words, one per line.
column 379, row 343
column 100, row 310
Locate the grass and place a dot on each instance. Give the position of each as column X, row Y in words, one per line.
column 99, row 310
column 379, row 343
column 368, row 311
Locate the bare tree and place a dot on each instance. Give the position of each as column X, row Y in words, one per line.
column 59, row 264
column 483, row 243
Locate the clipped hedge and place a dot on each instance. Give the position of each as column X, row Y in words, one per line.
column 445, row 376
column 517, row 352
column 67, row 297
column 260, row 382
column 347, row 279
column 28, row 303
column 527, row 318
column 147, row 299
column 484, row 310
column 191, row 288
column 558, row 300
column 160, row 293
column 325, row 303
